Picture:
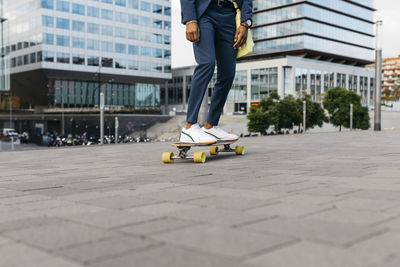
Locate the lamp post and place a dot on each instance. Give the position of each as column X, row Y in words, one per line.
column 378, row 78
column 3, row 83
column 101, row 118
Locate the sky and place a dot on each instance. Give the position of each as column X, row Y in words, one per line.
column 388, row 12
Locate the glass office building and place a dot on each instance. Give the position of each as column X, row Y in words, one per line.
column 336, row 30
column 301, row 47
column 68, row 51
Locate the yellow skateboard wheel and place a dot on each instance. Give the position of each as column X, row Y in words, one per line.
column 167, row 157
column 199, row 157
column 214, row 150
column 239, row 150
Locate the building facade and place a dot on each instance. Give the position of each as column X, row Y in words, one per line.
column 391, row 78
column 64, row 52
column 301, row 47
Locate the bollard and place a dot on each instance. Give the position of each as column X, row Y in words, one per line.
column 101, row 118
column 12, row 142
column 1, row 145
column 304, row 116
column 116, row 130
column 351, row 117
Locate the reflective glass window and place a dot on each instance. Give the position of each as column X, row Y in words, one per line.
column 62, row 6
column 62, row 40
column 78, row 9
column 133, row 4
column 47, row 21
column 92, row 44
column 167, row 11
column 157, row 9
column 62, row 23
column 145, row 51
column 145, row 6
column 133, row 19
column 120, row 2
column 48, row 39
column 107, row 30
column 93, row 61
column 120, row 48
column 133, row 50
column 78, row 59
column 63, row 58
column 78, row 26
column 93, row 28
column 107, row 46
column 49, row 4
column 106, row 14
column 93, row 11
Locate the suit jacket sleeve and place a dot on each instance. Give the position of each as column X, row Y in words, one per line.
column 188, row 8
column 247, row 10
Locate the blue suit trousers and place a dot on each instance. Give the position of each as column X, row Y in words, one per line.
column 217, row 33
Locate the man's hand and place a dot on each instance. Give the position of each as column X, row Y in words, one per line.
column 193, row 32
column 240, row 36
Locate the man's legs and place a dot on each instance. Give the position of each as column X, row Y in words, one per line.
column 226, row 67
column 204, row 53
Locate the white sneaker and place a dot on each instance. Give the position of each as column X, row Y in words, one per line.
column 220, row 134
column 195, row 135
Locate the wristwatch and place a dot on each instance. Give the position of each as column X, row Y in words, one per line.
column 248, row 23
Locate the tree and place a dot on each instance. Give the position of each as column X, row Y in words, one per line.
column 258, row 121
column 315, row 114
column 284, row 114
column 337, row 102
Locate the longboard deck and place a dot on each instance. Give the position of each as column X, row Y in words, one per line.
column 218, row 143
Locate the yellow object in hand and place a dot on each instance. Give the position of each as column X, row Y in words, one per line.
column 247, row 47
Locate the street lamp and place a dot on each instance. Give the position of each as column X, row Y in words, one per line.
column 378, row 78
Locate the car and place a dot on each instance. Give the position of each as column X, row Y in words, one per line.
column 10, row 132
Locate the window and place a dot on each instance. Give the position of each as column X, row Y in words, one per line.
column 145, row 6
column 78, row 26
column 157, row 52
column 156, row 38
column 78, row 59
column 93, row 11
column 48, row 56
column 133, row 50
column 78, row 9
column 167, row 53
column 167, row 25
column 107, row 30
column 107, row 1
column 167, row 39
column 62, row 23
column 120, row 64
column 133, row 19
column 133, row 4
column 63, row 58
column 93, row 28
column 145, row 21
column 167, row 11
column 49, row 4
column 48, row 39
column 62, row 40
column 157, row 23
column 157, row 9
column 120, row 2
column 120, row 32
column 78, row 42
column 62, row 6
column 120, row 48
column 145, row 51
column 106, row 14
column 121, row 16
column 93, row 44
column 107, row 46
column 26, row 59
column 107, row 62
column 93, row 61
column 145, row 36
column 132, row 34
column 33, row 58
column 47, row 21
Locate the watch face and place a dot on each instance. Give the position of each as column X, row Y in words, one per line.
column 248, row 22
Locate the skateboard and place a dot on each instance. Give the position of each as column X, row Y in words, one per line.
column 200, row 157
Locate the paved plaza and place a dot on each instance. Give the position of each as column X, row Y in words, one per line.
column 321, row 199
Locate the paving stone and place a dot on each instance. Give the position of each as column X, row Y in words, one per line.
column 315, row 230
column 7, row 193
column 155, row 226
column 223, row 240
column 56, row 236
column 330, row 191
column 167, row 256
column 22, row 199
column 27, row 223
column 41, row 204
column 110, row 219
column 353, row 216
column 307, row 253
column 172, row 196
column 289, row 209
column 103, row 249
column 366, row 204
column 230, row 202
column 162, row 209
column 120, row 202
column 16, row 255
column 4, row 241
column 393, row 223
column 52, row 262
column 218, row 216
